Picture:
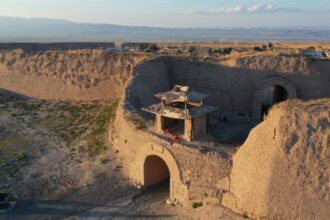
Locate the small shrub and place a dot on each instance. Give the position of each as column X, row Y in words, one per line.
column 324, row 54
column 140, row 124
column 104, row 160
column 217, row 50
column 192, row 49
column 257, row 48
column 20, row 156
column 264, row 47
column 95, row 146
column 245, row 215
column 311, row 48
column 227, row 51
column 197, row 205
column 143, row 47
column 153, row 48
column 147, row 50
column 179, row 51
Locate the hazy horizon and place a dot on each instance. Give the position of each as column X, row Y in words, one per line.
column 16, row 29
column 177, row 14
column 150, row 26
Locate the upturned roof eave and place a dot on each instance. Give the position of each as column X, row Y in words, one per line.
column 179, row 114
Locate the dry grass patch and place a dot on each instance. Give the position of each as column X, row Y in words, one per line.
column 31, row 129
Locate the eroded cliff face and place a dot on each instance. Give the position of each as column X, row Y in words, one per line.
column 282, row 170
column 78, row 74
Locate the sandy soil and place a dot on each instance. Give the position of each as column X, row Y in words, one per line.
column 153, row 201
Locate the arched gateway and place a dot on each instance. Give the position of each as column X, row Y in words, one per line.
column 155, row 164
column 270, row 91
column 155, row 170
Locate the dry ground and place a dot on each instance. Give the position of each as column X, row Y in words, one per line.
column 54, row 157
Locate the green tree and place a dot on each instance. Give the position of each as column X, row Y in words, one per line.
column 192, row 49
column 227, row 50
column 257, row 48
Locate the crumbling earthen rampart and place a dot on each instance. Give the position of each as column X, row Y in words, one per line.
column 72, row 75
column 96, row 74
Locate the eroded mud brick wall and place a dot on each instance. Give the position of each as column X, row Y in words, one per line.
column 233, row 88
column 72, row 75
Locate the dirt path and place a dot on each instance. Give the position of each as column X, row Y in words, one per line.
column 128, row 203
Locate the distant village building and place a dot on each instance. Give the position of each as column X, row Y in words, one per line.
column 113, row 50
column 312, row 53
column 182, row 113
column 135, row 46
column 318, row 54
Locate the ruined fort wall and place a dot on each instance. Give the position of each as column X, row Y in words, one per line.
column 233, row 88
column 96, row 74
column 149, row 78
column 280, row 172
column 47, row 88
column 322, row 67
column 74, row 75
column 230, row 89
column 203, row 179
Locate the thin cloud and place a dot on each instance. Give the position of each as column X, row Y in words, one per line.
column 258, row 8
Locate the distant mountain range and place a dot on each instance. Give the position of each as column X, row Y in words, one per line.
column 54, row 30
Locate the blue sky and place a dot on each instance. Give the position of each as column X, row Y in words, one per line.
column 177, row 13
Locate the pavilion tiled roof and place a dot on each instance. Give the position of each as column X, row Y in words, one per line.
column 181, row 94
column 171, row 112
column 194, row 107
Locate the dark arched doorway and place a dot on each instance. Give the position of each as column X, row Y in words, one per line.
column 156, row 173
column 272, row 95
column 270, row 91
